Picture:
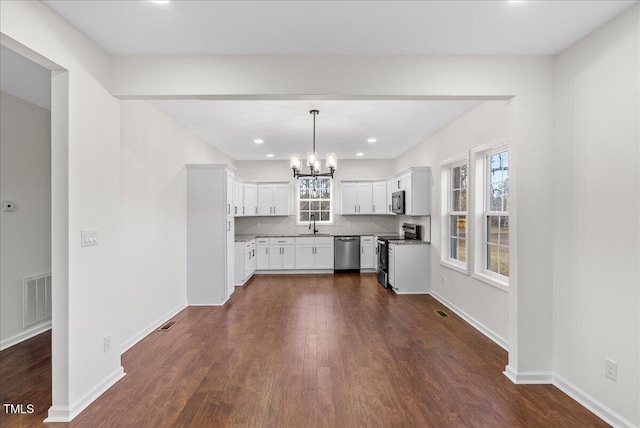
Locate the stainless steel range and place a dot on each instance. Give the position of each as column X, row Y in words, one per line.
column 410, row 231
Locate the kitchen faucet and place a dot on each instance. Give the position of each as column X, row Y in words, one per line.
column 313, row 218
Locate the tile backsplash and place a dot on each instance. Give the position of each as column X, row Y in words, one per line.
column 377, row 225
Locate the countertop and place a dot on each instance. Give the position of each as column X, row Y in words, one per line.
column 407, row 242
column 246, row 238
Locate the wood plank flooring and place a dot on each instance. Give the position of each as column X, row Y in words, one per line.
column 315, row 351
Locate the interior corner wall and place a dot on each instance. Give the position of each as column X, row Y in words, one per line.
column 596, row 241
column 85, row 195
column 484, row 303
column 154, row 150
column 25, row 155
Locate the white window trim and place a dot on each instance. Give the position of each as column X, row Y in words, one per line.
column 445, row 226
column 479, row 184
column 332, row 216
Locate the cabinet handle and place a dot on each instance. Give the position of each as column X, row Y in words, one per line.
column 355, row 208
column 228, row 208
column 374, row 208
column 228, row 226
column 253, row 252
column 267, row 252
column 256, row 210
column 242, row 210
column 389, row 207
column 362, row 250
column 235, row 210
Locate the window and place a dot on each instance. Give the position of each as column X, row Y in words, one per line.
column 496, row 241
column 315, row 198
column 458, row 213
column 455, row 188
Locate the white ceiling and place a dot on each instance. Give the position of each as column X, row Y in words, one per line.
column 342, row 127
column 337, row 27
column 316, row 28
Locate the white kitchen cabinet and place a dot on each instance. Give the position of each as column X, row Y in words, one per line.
column 357, row 197
column 238, row 198
column 245, row 255
column 281, row 253
column 379, row 197
column 314, row 252
column 230, row 179
column 415, row 182
column 389, row 197
column 250, row 199
column 367, row 253
column 210, row 234
column 273, row 199
column 262, row 253
column 409, row 268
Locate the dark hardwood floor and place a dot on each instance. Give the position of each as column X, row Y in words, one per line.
column 307, row 351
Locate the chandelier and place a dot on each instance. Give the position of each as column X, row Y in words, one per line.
column 312, row 159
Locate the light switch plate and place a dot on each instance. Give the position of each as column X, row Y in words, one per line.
column 89, row 237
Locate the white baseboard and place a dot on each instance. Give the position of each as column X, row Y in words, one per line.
column 411, row 292
column 593, row 405
column 209, row 304
column 475, row 323
column 153, row 326
column 294, row 272
column 66, row 414
column 528, row 378
column 24, row 335
column 587, row 401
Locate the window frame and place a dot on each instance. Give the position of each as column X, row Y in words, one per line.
column 331, row 220
column 447, row 168
column 481, row 271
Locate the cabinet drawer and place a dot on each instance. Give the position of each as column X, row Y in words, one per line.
column 366, row 239
column 324, row 240
column 250, row 244
column 281, row 241
column 262, row 241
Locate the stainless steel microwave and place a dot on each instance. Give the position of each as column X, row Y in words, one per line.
column 397, row 202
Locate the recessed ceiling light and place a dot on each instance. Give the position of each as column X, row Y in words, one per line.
column 371, row 140
column 160, row 1
column 270, row 155
column 360, row 154
column 258, row 141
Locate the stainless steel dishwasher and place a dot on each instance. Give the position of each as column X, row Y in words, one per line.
column 346, row 254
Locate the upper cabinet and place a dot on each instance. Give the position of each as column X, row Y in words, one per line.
column 415, row 182
column 250, row 199
column 238, row 198
column 380, row 197
column 357, row 197
column 273, row 198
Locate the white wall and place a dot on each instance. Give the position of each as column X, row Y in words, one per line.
column 85, row 138
column 484, row 125
column 25, row 155
column 596, row 245
column 154, row 150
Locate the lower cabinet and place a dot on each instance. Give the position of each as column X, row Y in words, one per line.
column 281, row 254
column 367, row 252
column 245, row 261
column 314, row 252
column 409, row 268
column 262, row 253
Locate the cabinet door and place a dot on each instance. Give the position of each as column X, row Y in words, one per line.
column 349, row 198
column 304, row 256
column 254, row 256
column 229, row 193
column 380, row 197
column 366, row 255
column 238, row 199
column 288, row 257
column 248, row 257
column 365, row 198
column 265, row 199
column 275, row 257
column 230, row 254
column 262, row 257
column 324, row 256
column 250, row 199
column 390, row 191
column 281, row 199
column 392, row 266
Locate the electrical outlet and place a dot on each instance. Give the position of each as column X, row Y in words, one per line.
column 611, row 369
column 107, row 343
column 89, row 237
